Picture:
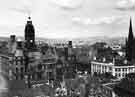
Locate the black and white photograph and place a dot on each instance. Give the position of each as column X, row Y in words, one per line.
column 67, row 48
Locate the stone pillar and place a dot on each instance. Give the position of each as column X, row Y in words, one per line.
column 128, row 70
column 121, row 73
column 101, row 69
column 113, row 70
column 96, row 68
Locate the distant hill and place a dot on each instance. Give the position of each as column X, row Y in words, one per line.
column 4, row 38
column 81, row 41
column 108, row 40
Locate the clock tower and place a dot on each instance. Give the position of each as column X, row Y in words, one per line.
column 29, row 35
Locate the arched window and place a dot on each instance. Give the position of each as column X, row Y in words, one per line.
column 17, row 70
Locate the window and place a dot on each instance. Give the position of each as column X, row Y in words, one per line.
column 116, row 70
column 21, row 69
column 123, row 75
column 15, row 62
column 10, row 72
column 119, row 75
column 19, row 58
column 116, row 74
column 123, row 69
column 18, row 62
column 110, row 68
column 43, row 67
column 105, row 67
column 17, row 70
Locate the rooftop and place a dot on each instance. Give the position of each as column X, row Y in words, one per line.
column 116, row 62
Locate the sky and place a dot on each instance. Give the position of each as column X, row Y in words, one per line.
column 67, row 18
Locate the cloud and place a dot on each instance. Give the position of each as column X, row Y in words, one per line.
column 21, row 10
column 23, row 6
column 125, row 5
column 68, row 4
column 98, row 21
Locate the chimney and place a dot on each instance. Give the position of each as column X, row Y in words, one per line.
column 12, row 38
column 70, row 44
column 19, row 44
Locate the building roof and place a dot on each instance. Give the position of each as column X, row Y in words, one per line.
column 115, row 62
column 50, row 56
column 16, row 84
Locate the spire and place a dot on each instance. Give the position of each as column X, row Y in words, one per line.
column 130, row 43
column 130, row 35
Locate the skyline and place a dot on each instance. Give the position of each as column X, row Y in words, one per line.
column 67, row 18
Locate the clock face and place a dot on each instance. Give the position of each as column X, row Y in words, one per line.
column 31, row 40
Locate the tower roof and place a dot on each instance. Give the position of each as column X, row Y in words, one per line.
column 130, row 43
column 130, row 35
column 29, row 26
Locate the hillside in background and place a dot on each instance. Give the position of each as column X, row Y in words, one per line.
column 108, row 40
column 80, row 41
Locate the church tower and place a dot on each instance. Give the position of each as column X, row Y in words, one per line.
column 29, row 35
column 130, row 43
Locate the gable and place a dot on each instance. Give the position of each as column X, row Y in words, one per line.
column 50, row 53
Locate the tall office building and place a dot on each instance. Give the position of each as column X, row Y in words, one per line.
column 12, row 44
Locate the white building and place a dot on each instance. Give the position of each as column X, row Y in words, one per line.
column 116, row 47
column 118, row 71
